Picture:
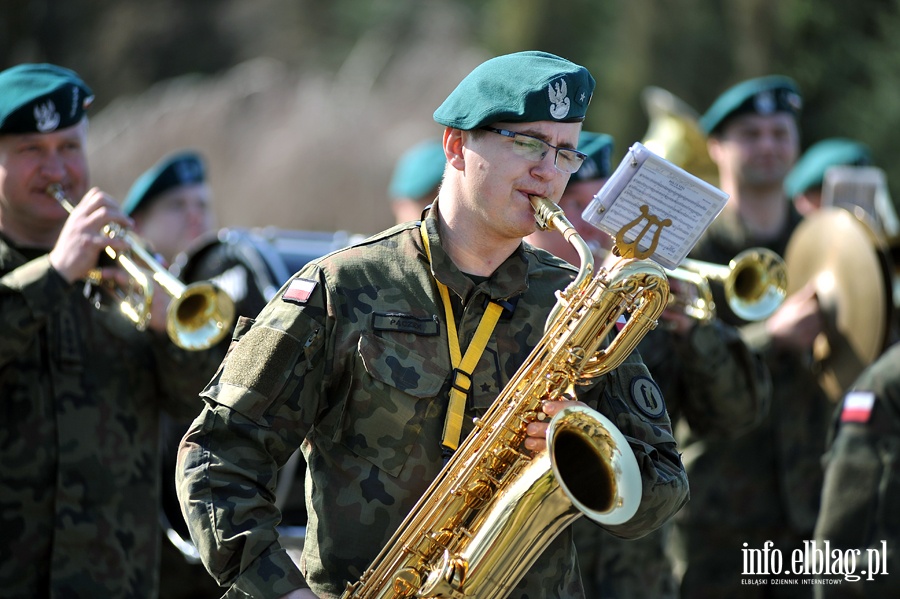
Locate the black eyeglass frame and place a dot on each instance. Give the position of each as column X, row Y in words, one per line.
column 514, row 134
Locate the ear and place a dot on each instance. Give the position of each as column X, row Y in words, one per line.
column 713, row 146
column 454, row 140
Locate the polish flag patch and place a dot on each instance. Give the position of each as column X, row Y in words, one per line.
column 298, row 291
column 621, row 322
column 857, row 406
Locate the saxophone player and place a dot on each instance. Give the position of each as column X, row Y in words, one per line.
column 352, row 360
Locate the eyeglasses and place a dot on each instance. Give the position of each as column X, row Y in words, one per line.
column 533, row 148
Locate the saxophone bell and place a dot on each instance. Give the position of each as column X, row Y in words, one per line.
column 494, row 507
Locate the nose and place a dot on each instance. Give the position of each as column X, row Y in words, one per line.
column 545, row 168
column 53, row 167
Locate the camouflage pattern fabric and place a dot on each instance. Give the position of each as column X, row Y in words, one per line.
column 765, row 484
column 79, row 445
column 357, row 374
column 862, row 485
column 713, row 382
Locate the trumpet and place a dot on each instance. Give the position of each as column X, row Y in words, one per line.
column 199, row 315
column 755, row 283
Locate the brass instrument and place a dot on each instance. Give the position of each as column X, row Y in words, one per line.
column 199, row 315
column 494, row 507
column 755, row 283
column 674, row 133
column 849, row 266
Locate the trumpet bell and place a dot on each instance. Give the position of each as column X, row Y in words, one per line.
column 757, row 285
column 200, row 316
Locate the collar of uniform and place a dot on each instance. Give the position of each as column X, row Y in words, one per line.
column 509, row 280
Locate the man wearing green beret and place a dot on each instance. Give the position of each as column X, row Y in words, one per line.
column 415, row 180
column 171, row 203
column 81, row 386
column 762, row 487
column 803, row 185
column 352, row 360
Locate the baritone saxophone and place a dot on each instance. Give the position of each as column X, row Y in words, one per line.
column 495, row 506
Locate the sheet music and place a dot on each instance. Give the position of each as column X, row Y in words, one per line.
column 669, row 192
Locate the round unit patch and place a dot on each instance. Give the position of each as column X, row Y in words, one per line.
column 646, row 395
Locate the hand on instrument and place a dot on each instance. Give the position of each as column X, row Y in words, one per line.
column 798, row 321
column 82, row 238
column 536, row 440
column 674, row 318
column 159, row 302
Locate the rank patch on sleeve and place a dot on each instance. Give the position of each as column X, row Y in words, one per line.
column 857, row 406
column 299, row 290
column 646, row 395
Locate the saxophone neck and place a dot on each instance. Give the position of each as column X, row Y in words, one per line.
column 549, row 215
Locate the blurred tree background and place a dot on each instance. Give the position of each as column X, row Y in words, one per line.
column 302, row 106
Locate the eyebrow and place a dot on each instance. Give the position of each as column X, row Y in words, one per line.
column 543, row 137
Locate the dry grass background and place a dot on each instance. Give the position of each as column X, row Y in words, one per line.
column 295, row 150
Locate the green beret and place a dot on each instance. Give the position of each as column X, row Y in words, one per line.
column 40, row 98
column 419, row 171
column 598, row 148
column 764, row 95
column 518, row 88
column 175, row 170
column 809, row 171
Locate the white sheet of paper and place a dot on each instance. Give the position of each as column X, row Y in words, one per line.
column 669, row 192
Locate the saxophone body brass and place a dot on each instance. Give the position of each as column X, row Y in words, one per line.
column 495, row 506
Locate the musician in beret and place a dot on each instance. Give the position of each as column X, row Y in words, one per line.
column 707, row 374
column 803, row 185
column 81, row 386
column 352, row 360
column 171, row 203
column 764, row 485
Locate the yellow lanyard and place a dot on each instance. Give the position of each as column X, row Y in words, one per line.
column 462, row 368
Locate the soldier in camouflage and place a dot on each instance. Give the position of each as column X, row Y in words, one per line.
column 350, row 360
column 82, row 388
column 765, row 484
column 862, row 486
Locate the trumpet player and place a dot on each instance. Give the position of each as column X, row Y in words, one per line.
column 763, row 486
column 352, row 360
column 708, row 375
column 81, row 387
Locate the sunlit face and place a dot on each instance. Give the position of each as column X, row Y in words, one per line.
column 498, row 182
column 757, row 150
column 29, row 164
column 172, row 221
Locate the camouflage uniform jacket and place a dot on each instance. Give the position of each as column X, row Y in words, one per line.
column 771, row 476
column 358, row 374
column 80, row 391
column 862, row 485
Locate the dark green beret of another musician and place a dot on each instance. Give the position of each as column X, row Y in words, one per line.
column 40, row 98
column 523, row 87
column 419, row 171
column 764, row 95
column 175, row 170
column 598, row 148
column 809, row 171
